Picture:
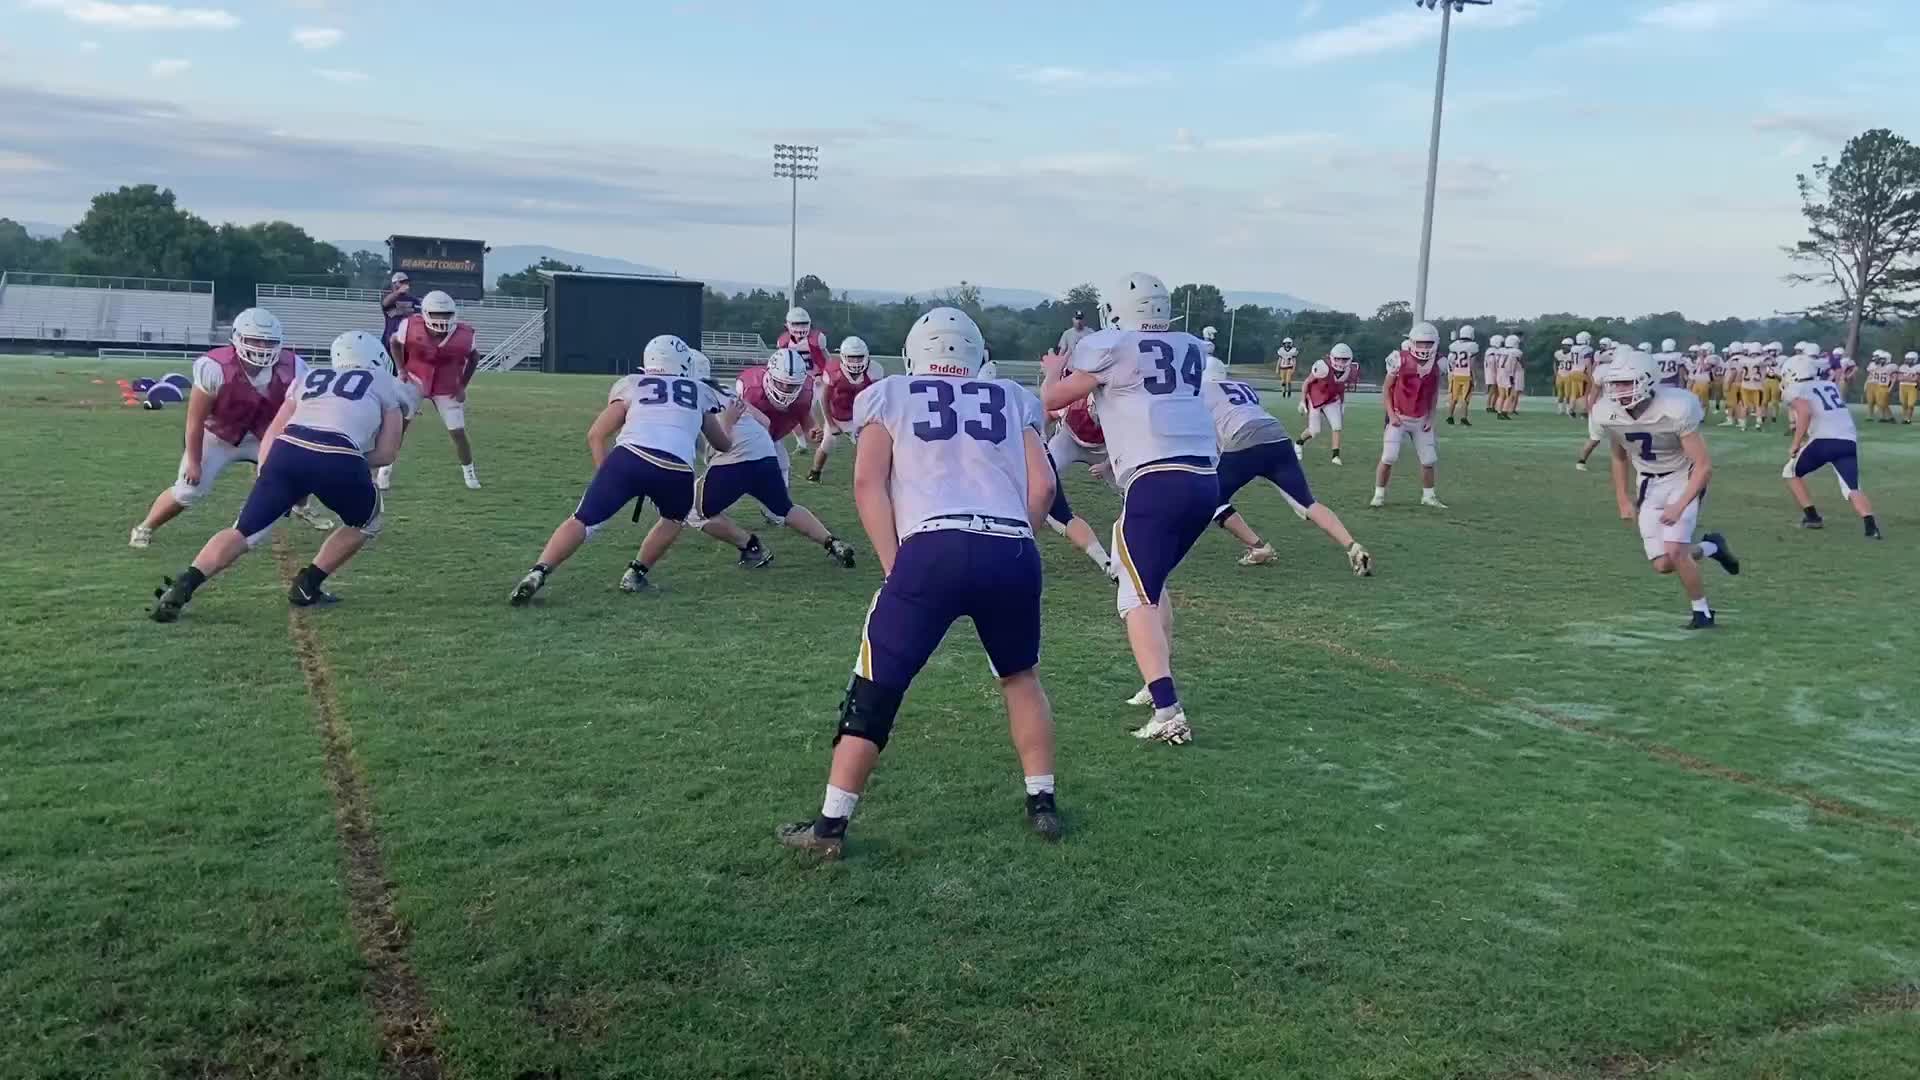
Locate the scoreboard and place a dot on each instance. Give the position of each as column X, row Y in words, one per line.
column 456, row 267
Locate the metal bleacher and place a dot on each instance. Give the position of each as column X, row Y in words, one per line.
column 506, row 329
column 732, row 353
column 95, row 309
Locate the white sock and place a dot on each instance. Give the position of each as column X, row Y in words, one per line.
column 1379, row 493
column 1700, row 606
column 1427, row 493
column 1040, row 785
column 1705, row 549
column 1098, row 554
column 838, row 803
column 1057, row 526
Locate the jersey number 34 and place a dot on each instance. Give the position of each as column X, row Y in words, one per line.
column 1168, row 376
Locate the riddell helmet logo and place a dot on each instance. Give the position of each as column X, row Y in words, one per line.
column 939, row 367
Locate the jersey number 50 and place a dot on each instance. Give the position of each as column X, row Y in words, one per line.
column 944, row 421
column 1168, row 377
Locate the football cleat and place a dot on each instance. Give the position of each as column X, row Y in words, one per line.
column 1723, row 554
column 1449, row 421
column 806, row 836
column 535, row 580
column 755, row 555
column 1168, row 726
column 1377, row 501
column 300, row 595
column 1042, row 817
column 1259, row 556
column 312, row 517
column 1360, row 560
column 1580, row 466
column 383, row 477
column 171, row 597
column 841, row 552
column 1433, row 501
column 1873, row 531
column 634, row 580
column 141, row 538
column 1814, row 521
column 1335, row 459
column 813, row 476
column 1144, row 697
column 1466, row 421
column 1702, row 620
column 470, row 477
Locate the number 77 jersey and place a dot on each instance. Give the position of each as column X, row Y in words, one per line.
column 1148, row 397
column 959, row 447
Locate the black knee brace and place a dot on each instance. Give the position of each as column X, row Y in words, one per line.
column 1221, row 515
column 868, row 712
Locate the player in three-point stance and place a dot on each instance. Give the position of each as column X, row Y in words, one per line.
column 1078, row 439
column 1255, row 445
column 340, row 421
column 1823, row 434
column 1413, row 383
column 237, row 391
column 643, row 446
column 948, row 475
column 846, row 374
column 1286, row 362
column 434, row 350
column 1655, row 435
column 798, row 332
column 778, row 400
column 1145, row 380
column 1326, row 400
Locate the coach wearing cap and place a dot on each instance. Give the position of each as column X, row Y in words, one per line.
column 397, row 304
column 1071, row 335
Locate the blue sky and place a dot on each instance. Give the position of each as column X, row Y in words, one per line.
column 1615, row 157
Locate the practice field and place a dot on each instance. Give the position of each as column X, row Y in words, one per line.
column 1490, row 813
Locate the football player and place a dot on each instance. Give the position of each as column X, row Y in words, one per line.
column 1078, row 438
column 1145, row 380
column 948, row 473
column 1880, row 376
column 1699, row 374
column 1842, row 373
column 1513, row 374
column 1770, row 382
column 1563, row 367
column 1286, row 361
column 1823, row 434
column 1207, row 336
column 1655, row 435
column 1753, row 385
column 846, row 375
column 1908, row 374
column 1255, row 445
column 1326, row 401
column 1669, row 364
column 319, row 443
column 643, row 445
column 798, row 332
column 1460, row 357
column 237, row 390
column 1412, row 385
column 435, row 351
column 779, row 399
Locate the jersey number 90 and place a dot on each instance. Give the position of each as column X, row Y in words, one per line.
column 350, row 384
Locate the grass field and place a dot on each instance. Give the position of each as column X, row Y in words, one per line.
column 1490, row 813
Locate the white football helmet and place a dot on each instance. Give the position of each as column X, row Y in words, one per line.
column 359, row 350
column 1802, row 368
column 853, row 357
column 1566, row 343
column 1630, row 378
column 1424, row 342
column 1774, row 348
column 1341, row 353
column 438, row 311
column 667, row 355
column 1668, row 345
column 1913, row 357
column 1286, row 343
column 1138, row 302
column 257, row 337
column 1214, row 371
column 1606, row 343
column 945, row 341
column 1583, row 338
column 700, row 367
column 1513, row 341
column 1707, row 347
column 786, row 376
column 1466, row 332
column 799, row 323
column 1208, row 333
column 1645, row 347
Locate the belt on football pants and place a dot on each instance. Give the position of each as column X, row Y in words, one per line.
column 980, row 523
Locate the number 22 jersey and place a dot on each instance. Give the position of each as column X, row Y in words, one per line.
column 1148, row 396
column 959, row 446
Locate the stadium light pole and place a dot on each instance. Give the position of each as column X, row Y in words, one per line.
column 794, row 163
column 1447, row 8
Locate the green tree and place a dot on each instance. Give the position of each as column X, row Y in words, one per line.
column 1395, row 313
column 367, row 270
column 21, row 251
column 812, row 291
column 141, row 232
column 1863, row 232
column 1084, row 297
column 528, row 282
column 1201, row 305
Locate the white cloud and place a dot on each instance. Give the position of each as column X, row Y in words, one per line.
column 1386, row 32
column 168, row 68
column 1693, row 16
column 318, row 37
column 1826, row 127
column 11, row 162
column 1185, row 140
column 341, row 75
column 115, row 16
column 1073, row 78
column 88, row 46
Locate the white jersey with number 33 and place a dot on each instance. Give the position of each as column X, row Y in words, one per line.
column 1830, row 418
column 1652, row 439
column 959, row 446
column 1148, row 396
